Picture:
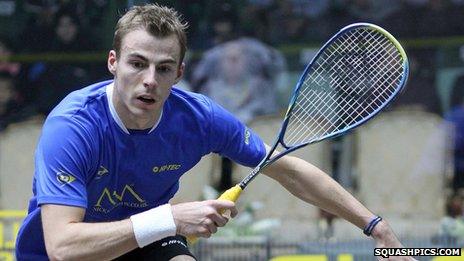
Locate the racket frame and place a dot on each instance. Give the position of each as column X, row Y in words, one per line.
column 288, row 149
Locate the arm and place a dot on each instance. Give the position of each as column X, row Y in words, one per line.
column 68, row 238
column 312, row 185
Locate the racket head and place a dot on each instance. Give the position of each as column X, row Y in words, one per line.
column 360, row 70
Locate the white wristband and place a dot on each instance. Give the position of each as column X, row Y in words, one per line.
column 153, row 225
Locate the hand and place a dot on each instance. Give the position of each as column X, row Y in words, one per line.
column 385, row 238
column 201, row 218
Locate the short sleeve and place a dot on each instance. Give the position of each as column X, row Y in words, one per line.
column 231, row 138
column 63, row 160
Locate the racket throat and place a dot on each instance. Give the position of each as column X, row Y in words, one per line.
column 250, row 177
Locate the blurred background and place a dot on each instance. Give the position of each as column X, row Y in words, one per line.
column 407, row 165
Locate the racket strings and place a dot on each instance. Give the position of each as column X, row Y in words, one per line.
column 343, row 120
column 354, row 77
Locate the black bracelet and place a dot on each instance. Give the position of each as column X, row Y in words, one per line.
column 369, row 227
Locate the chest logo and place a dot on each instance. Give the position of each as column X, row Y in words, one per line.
column 168, row 167
column 109, row 200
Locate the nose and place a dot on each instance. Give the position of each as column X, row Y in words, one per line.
column 149, row 78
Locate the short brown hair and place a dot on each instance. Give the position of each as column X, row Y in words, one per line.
column 157, row 20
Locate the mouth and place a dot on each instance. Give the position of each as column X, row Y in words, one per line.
column 146, row 99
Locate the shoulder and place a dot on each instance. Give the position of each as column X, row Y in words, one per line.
column 196, row 102
column 81, row 110
column 199, row 106
column 81, row 100
column 188, row 96
column 73, row 135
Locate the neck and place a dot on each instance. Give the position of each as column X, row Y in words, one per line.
column 136, row 123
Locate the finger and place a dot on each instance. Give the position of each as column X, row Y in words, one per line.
column 203, row 232
column 220, row 220
column 225, row 214
column 210, row 225
column 222, row 204
column 229, row 213
column 233, row 211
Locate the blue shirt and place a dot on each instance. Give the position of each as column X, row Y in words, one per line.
column 87, row 158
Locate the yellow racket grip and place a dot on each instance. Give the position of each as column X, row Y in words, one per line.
column 231, row 194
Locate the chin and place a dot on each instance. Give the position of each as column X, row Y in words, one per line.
column 145, row 111
column 140, row 112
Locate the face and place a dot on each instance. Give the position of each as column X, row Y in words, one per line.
column 66, row 29
column 144, row 72
column 233, row 63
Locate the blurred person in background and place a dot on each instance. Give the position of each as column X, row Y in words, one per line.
column 421, row 93
column 223, row 23
column 435, row 19
column 9, row 106
column 373, row 11
column 405, row 19
column 242, row 76
column 61, row 77
column 425, row 18
column 12, row 105
column 292, row 24
column 34, row 39
column 255, row 19
column 111, row 154
column 6, row 65
column 69, row 36
column 455, row 118
column 452, row 225
column 60, row 32
column 36, row 35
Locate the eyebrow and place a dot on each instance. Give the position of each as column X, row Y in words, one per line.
column 137, row 55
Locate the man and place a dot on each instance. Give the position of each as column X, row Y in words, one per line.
column 111, row 154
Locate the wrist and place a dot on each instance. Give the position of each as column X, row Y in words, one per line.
column 369, row 227
column 380, row 230
column 153, row 225
column 384, row 236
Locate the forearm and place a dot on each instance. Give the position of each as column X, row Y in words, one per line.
column 67, row 238
column 93, row 241
column 312, row 185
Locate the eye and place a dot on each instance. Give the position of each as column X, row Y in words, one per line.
column 164, row 69
column 138, row 64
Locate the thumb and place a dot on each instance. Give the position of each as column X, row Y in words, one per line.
column 222, row 204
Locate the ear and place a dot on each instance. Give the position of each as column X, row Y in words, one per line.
column 112, row 62
column 180, row 72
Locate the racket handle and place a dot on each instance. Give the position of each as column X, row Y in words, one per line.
column 231, row 194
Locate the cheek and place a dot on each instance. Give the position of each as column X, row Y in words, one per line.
column 166, row 86
column 126, row 85
column 127, row 77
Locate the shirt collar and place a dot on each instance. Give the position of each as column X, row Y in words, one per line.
column 114, row 114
